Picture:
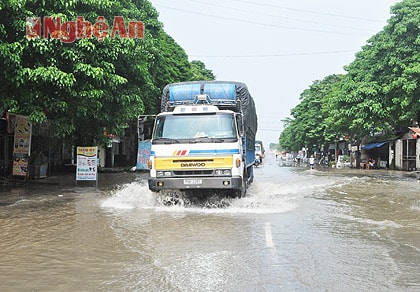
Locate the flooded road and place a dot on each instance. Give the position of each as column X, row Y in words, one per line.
column 297, row 230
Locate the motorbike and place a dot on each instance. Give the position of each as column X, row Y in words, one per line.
column 257, row 160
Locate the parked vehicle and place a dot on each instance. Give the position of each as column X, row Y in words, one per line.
column 259, row 150
column 204, row 138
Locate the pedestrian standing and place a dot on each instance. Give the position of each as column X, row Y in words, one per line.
column 311, row 162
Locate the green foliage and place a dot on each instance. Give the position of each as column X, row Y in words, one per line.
column 84, row 86
column 199, row 71
column 311, row 123
column 380, row 91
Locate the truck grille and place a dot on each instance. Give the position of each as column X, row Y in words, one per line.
column 193, row 172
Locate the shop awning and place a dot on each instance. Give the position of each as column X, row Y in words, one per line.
column 415, row 130
column 374, row 145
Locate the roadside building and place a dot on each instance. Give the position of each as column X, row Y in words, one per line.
column 406, row 150
column 400, row 153
column 377, row 153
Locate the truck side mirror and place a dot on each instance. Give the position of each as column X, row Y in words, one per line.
column 240, row 124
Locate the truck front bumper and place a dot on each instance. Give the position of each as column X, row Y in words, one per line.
column 191, row 183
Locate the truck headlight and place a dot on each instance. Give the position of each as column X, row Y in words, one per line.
column 163, row 173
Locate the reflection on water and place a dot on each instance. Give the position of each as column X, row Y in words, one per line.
column 339, row 230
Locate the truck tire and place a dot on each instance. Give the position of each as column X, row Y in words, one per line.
column 240, row 193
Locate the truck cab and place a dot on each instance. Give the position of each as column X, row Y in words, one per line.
column 201, row 144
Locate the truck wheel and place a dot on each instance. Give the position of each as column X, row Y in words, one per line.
column 242, row 192
column 244, row 188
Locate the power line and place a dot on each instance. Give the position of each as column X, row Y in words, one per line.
column 271, row 55
column 307, row 11
column 278, row 16
column 254, row 22
column 269, row 130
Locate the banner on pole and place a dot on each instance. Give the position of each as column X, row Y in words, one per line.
column 20, row 165
column 143, row 155
column 22, row 129
column 87, row 163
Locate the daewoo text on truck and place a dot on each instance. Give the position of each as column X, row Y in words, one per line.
column 204, row 138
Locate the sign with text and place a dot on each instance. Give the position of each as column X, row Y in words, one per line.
column 87, row 163
column 23, row 132
column 22, row 143
column 143, row 154
column 20, row 165
column 70, row 31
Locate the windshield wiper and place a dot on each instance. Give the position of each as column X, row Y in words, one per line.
column 208, row 139
column 166, row 140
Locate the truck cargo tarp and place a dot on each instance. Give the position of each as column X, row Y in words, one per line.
column 224, row 94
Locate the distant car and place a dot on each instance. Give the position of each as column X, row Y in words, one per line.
column 261, row 151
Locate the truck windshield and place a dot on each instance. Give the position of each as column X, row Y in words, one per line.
column 193, row 127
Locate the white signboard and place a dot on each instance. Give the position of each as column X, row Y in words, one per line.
column 143, row 155
column 87, row 163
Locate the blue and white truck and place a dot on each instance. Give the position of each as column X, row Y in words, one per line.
column 204, row 138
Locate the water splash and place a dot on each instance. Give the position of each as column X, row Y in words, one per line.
column 264, row 197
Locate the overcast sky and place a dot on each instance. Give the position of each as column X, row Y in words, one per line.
column 278, row 48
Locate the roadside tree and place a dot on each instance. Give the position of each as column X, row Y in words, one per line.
column 382, row 87
column 82, row 87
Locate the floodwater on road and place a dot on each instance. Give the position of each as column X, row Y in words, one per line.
column 297, row 229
